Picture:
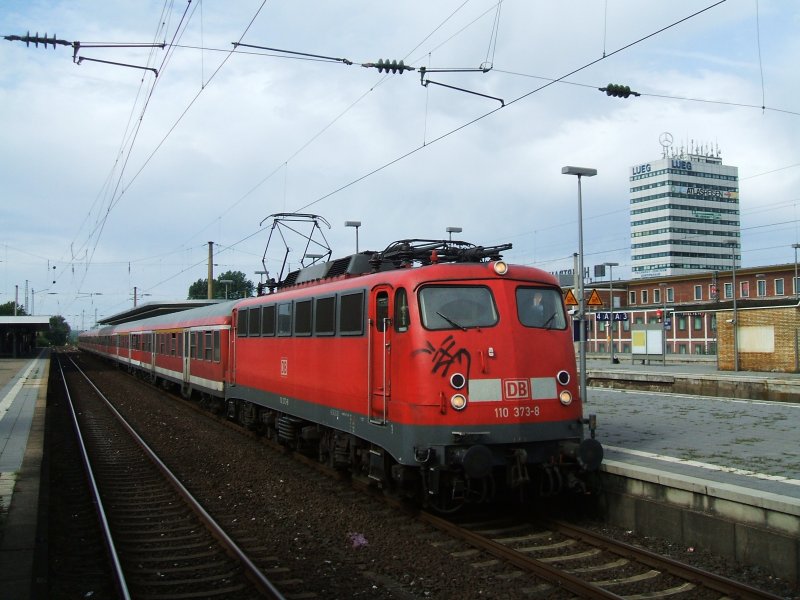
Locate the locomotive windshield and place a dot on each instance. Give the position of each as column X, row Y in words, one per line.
column 540, row 307
column 457, row 307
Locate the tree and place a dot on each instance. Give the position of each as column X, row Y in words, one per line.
column 240, row 287
column 7, row 309
column 59, row 331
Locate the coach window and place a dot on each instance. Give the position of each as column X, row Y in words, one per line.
column 351, row 313
column 180, row 344
column 302, row 317
column 173, row 344
column 199, row 335
column 285, row 318
column 216, row 346
column 268, row 320
column 254, row 321
column 401, row 318
column 241, row 323
column 193, row 344
column 208, row 347
column 325, row 316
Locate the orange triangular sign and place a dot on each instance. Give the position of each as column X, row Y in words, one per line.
column 569, row 299
column 594, row 299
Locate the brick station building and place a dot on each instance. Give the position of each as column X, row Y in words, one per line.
column 699, row 309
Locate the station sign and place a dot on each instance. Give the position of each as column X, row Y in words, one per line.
column 606, row 316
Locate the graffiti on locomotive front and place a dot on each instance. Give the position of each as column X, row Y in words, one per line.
column 448, row 355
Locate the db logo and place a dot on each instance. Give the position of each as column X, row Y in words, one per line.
column 517, row 389
column 284, row 367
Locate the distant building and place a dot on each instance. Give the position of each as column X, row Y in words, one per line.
column 684, row 212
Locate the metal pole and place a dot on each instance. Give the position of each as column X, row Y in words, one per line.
column 581, row 302
column 210, row 270
column 611, row 312
column 794, row 282
column 735, row 316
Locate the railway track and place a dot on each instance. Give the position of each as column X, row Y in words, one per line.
column 588, row 564
column 161, row 542
column 500, row 555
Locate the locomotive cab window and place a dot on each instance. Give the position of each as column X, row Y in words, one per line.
column 401, row 318
column 381, row 310
column 540, row 307
column 457, row 307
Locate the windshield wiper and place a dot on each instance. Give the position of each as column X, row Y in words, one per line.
column 549, row 320
column 449, row 320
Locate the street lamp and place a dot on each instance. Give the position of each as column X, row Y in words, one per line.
column 794, row 281
column 664, row 328
column 611, row 266
column 355, row 224
column 452, row 230
column 734, row 321
column 581, row 172
column 226, row 282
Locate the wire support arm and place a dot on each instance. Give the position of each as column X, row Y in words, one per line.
column 425, row 83
column 119, row 64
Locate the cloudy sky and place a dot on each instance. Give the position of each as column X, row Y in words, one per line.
column 113, row 179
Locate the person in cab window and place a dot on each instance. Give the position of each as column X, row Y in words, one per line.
column 537, row 310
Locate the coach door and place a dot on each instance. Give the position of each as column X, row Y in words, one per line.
column 186, row 356
column 380, row 343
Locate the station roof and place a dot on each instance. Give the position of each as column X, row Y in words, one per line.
column 26, row 321
column 155, row 309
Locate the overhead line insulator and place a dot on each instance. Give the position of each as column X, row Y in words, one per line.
column 36, row 40
column 620, row 91
column 390, row 66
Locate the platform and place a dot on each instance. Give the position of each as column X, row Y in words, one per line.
column 23, row 397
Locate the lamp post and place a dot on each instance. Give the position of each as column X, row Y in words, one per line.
column 355, row 224
column 452, row 230
column 735, row 320
column 664, row 329
column 581, row 172
column 794, row 281
column 611, row 266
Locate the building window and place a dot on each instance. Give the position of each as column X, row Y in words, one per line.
column 670, row 294
column 682, row 323
column 761, row 288
column 631, row 298
column 698, row 292
column 657, row 296
column 779, row 287
column 682, row 349
column 644, row 296
column 698, row 323
column 712, row 292
column 729, row 290
column 744, row 289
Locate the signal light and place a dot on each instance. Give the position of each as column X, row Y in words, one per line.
column 659, row 315
column 621, row 91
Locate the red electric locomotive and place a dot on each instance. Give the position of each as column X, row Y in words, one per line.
column 433, row 368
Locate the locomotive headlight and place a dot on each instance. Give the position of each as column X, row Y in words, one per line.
column 565, row 397
column 458, row 401
column 458, row 381
column 500, row 267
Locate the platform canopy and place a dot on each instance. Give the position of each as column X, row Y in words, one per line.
column 18, row 334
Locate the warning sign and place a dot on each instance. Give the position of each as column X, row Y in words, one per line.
column 594, row 299
column 569, row 299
